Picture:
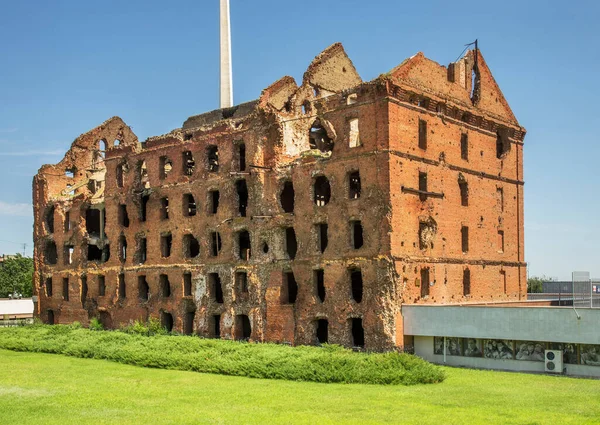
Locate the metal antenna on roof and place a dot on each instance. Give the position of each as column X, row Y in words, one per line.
column 226, row 84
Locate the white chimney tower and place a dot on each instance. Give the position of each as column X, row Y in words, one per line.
column 226, row 84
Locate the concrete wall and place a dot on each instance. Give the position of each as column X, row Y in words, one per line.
column 424, row 349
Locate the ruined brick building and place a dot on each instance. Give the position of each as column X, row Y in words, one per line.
column 309, row 215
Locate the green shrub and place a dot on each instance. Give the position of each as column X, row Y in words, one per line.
column 330, row 363
column 95, row 325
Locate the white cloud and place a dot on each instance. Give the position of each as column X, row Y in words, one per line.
column 16, row 210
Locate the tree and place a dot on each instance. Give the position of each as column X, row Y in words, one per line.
column 534, row 284
column 16, row 275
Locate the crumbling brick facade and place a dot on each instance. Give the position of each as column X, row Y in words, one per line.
column 309, row 215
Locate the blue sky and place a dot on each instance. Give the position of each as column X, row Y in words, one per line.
column 66, row 66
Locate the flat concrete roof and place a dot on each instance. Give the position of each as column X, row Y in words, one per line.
column 14, row 307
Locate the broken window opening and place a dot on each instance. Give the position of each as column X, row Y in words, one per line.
column 289, row 291
column 464, row 146
column 189, row 205
column 357, row 234
column 50, row 314
column 464, row 191
column 70, row 172
column 322, row 238
column 318, row 137
column 352, row 99
column 354, row 134
column 322, row 331
column 242, row 195
column 216, row 326
column 49, row 287
column 466, row 282
column 244, row 245
column 165, row 166
column 440, row 108
column 101, row 285
column 67, row 221
column 65, row 288
column 166, row 242
column 322, row 191
column 191, row 246
column 243, row 329
column 94, row 253
column 105, row 253
column 422, row 134
column 242, row 157
column 213, row 201
column 422, row 185
column 143, row 288
column 165, row 285
column 84, row 290
column 424, row 282
column 122, row 287
column 286, row 198
column 500, row 240
column 144, row 206
column 265, row 248
column 50, row 219
column 121, row 175
column 215, row 244
column 188, row 163
column 212, row 154
column 358, row 333
column 291, row 243
column 354, row 185
column 306, row 109
column 356, row 285
column 319, row 279
column 502, row 143
column 464, row 236
column 122, row 248
column 241, row 282
column 188, row 323
column 143, row 174
column 216, row 288
column 123, row 216
column 141, row 251
column 164, row 208
column 166, row 321
column 187, row 284
column 68, row 254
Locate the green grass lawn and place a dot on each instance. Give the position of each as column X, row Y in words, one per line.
column 54, row 389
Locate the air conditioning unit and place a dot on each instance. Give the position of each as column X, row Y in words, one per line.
column 553, row 361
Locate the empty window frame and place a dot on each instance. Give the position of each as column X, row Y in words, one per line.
column 189, row 205
column 121, row 169
column 215, row 244
column 65, row 288
column 67, row 221
column 466, row 282
column 287, row 197
column 422, row 134
column 357, row 332
column 164, row 208
column 502, row 143
column 500, row 240
column 354, row 188
column 353, row 134
column 84, row 290
column 242, row 196
column 291, row 243
column 423, row 186
column 464, row 192
column 122, row 248
column 144, row 199
column 165, row 285
column 50, row 314
column 322, row 331
column 49, row 218
column 289, row 291
column 319, row 281
column 321, row 231
column 68, row 254
column 48, row 285
column 356, row 234
column 122, row 288
column 356, row 285
column 318, row 137
column 215, row 287
column 123, row 216
column 187, row 284
column 50, row 254
column 141, row 251
column 424, row 282
column 241, row 157
column 322, row 191
column 191, row 246
column 93, row 219
column 241, row 283
column 101, row 285
column 213, row 201
column 143, row 288
column 188, row 323
column 464, row 237
column 94, row 253
column 166, row 321
column 244, row 245
column 165, row 166
column 166, row 242
column 243, row 327
column 464, row 146
column 215, row 328
column 188, row 163
column 212, row 157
